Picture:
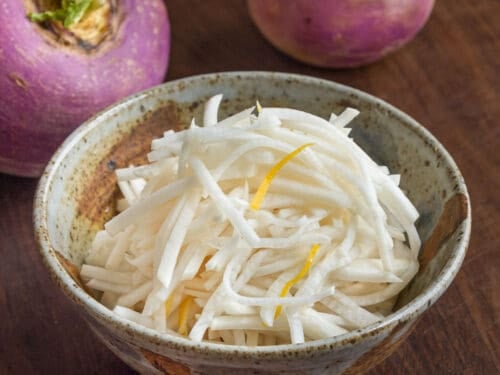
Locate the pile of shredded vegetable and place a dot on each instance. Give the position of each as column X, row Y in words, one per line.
column 269, row 227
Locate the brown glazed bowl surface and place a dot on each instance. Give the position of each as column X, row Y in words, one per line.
column 77, row 191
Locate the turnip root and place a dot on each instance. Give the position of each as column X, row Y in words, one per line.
column 339, row 33
column 53, row 77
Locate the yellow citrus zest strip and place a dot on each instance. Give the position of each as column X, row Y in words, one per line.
column 259, row 107
column 183, row 315
column 300, row 275
column 168, row 305
column 266, row 182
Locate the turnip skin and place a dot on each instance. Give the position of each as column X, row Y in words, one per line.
column 339, row 33
column 47, row 89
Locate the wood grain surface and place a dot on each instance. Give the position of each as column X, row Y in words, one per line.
column 448, row 78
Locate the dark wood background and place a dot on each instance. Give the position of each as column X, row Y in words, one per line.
column 448, row 78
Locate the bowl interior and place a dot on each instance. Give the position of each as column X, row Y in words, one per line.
column 77, row 192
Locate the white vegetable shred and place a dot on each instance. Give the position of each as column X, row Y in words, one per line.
column 268, row 227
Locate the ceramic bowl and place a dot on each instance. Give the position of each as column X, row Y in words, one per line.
column 76, row 195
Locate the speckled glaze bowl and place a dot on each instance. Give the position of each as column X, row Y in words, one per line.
column 77, row 191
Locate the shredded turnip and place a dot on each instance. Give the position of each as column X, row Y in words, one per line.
column 267, row 227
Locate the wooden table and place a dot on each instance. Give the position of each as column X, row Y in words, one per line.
column 448, row 79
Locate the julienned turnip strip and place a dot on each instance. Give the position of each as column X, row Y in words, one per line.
column 176, row 239
column 211, row 110
column 124, row 219
column 234, row 216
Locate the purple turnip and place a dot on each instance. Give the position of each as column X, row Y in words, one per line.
column 339, row 33
column 58, row 72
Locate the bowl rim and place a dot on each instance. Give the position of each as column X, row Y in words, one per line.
column 407, row 313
